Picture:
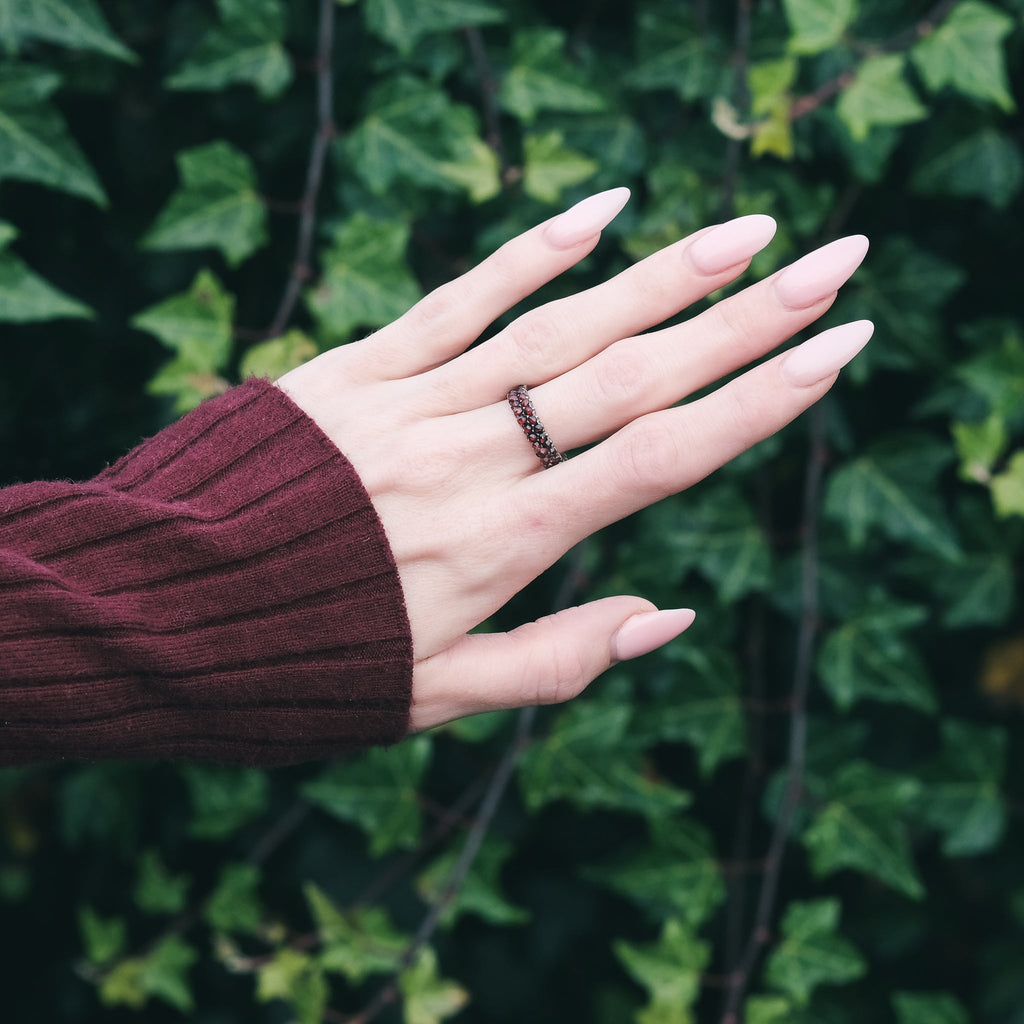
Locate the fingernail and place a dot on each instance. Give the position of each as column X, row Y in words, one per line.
column 821, row 272
column 647, row 631
column 825, row 354
column 586, row 218
column 733, row 242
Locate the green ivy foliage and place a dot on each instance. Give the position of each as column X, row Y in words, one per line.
column 809, row 808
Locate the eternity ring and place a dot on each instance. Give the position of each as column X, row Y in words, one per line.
column 526, row 416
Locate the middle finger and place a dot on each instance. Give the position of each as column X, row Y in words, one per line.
column 554, row 338
column 650, row 372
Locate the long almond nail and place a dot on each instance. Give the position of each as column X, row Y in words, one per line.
column 647, row 631
column 586, row 218
column 820, row 273
column 825, row 354
column 731, row 243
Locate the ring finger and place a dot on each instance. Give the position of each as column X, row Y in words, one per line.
column 643, row 374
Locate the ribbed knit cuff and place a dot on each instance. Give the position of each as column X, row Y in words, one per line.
column 224, row 592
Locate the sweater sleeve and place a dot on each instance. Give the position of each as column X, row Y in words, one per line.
column 225, row 592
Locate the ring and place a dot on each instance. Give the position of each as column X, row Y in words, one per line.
column 526, row 416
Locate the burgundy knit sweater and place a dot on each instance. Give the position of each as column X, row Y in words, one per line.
column 225, row 592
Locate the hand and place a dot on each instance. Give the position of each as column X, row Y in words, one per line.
column 471, row 514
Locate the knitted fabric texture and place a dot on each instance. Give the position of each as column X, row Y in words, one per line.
column 225, row 592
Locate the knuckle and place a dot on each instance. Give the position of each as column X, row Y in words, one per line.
column 535, row 338
column 437, row 309
column 621, row 372
column 651, row 456
column 557, row 672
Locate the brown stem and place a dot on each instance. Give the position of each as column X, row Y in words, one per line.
column 803, row 105
column 760, row 933
column 325, row 131
column 568, row 593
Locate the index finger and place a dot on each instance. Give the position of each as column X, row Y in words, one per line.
column 449, row 319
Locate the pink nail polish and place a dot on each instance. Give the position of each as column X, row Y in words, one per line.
column 820, row 273
column 733, row 242
column 585, row 219
column 825, row 354
column 647, row 631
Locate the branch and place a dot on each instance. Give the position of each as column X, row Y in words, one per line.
column 568, row 593
column 739, row 979
column 896, row 44
column 740, row 103
column 488, row 97
column 325, row 131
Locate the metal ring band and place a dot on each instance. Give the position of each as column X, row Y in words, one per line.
column 526, row 417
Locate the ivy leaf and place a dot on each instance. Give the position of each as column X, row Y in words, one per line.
column 588, row 759
column 223, row 798
column 479, row 894
column 551, row 166
column 472, row 165
column 707, row 712
column 769, row 1010
column 245, row 49
column 891, row 488
column 966, row 53
column 721, row 538
column 404, row 22
column 817, row 25
column 412, row 131
column 274, row 358
column 377, row 792
column 770, row 83
column 676, row 874
column 429, row 999
column 34, row 141
column 979, row 445
column 879, row 95
column 234, row 905
column 297, row 979
column 543, row 78
column 986, row 165
column 197, row 326
column 24, row 295
column 670, row 970
column 869, row 658
column 161, row 974
column 977, row 590
column 673, row 52
column 76, row 24
column 996, row 375
column 903, row 288
column 104, row 938
column 366, row 281
column 356, row 943
column 216, row 206
column 811, row 953
column 928, row 1008
column 858, row 827
column 1008, row 488
column 157, row 891
column 962, row 796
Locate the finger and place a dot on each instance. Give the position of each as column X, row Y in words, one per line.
column 560, row 335
column 452, row 317
column 665, row 452
column 642, row 374
column 543, row 662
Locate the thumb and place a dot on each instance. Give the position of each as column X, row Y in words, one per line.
column 542, row 662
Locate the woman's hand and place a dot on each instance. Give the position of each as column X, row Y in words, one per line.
column 471, row 514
